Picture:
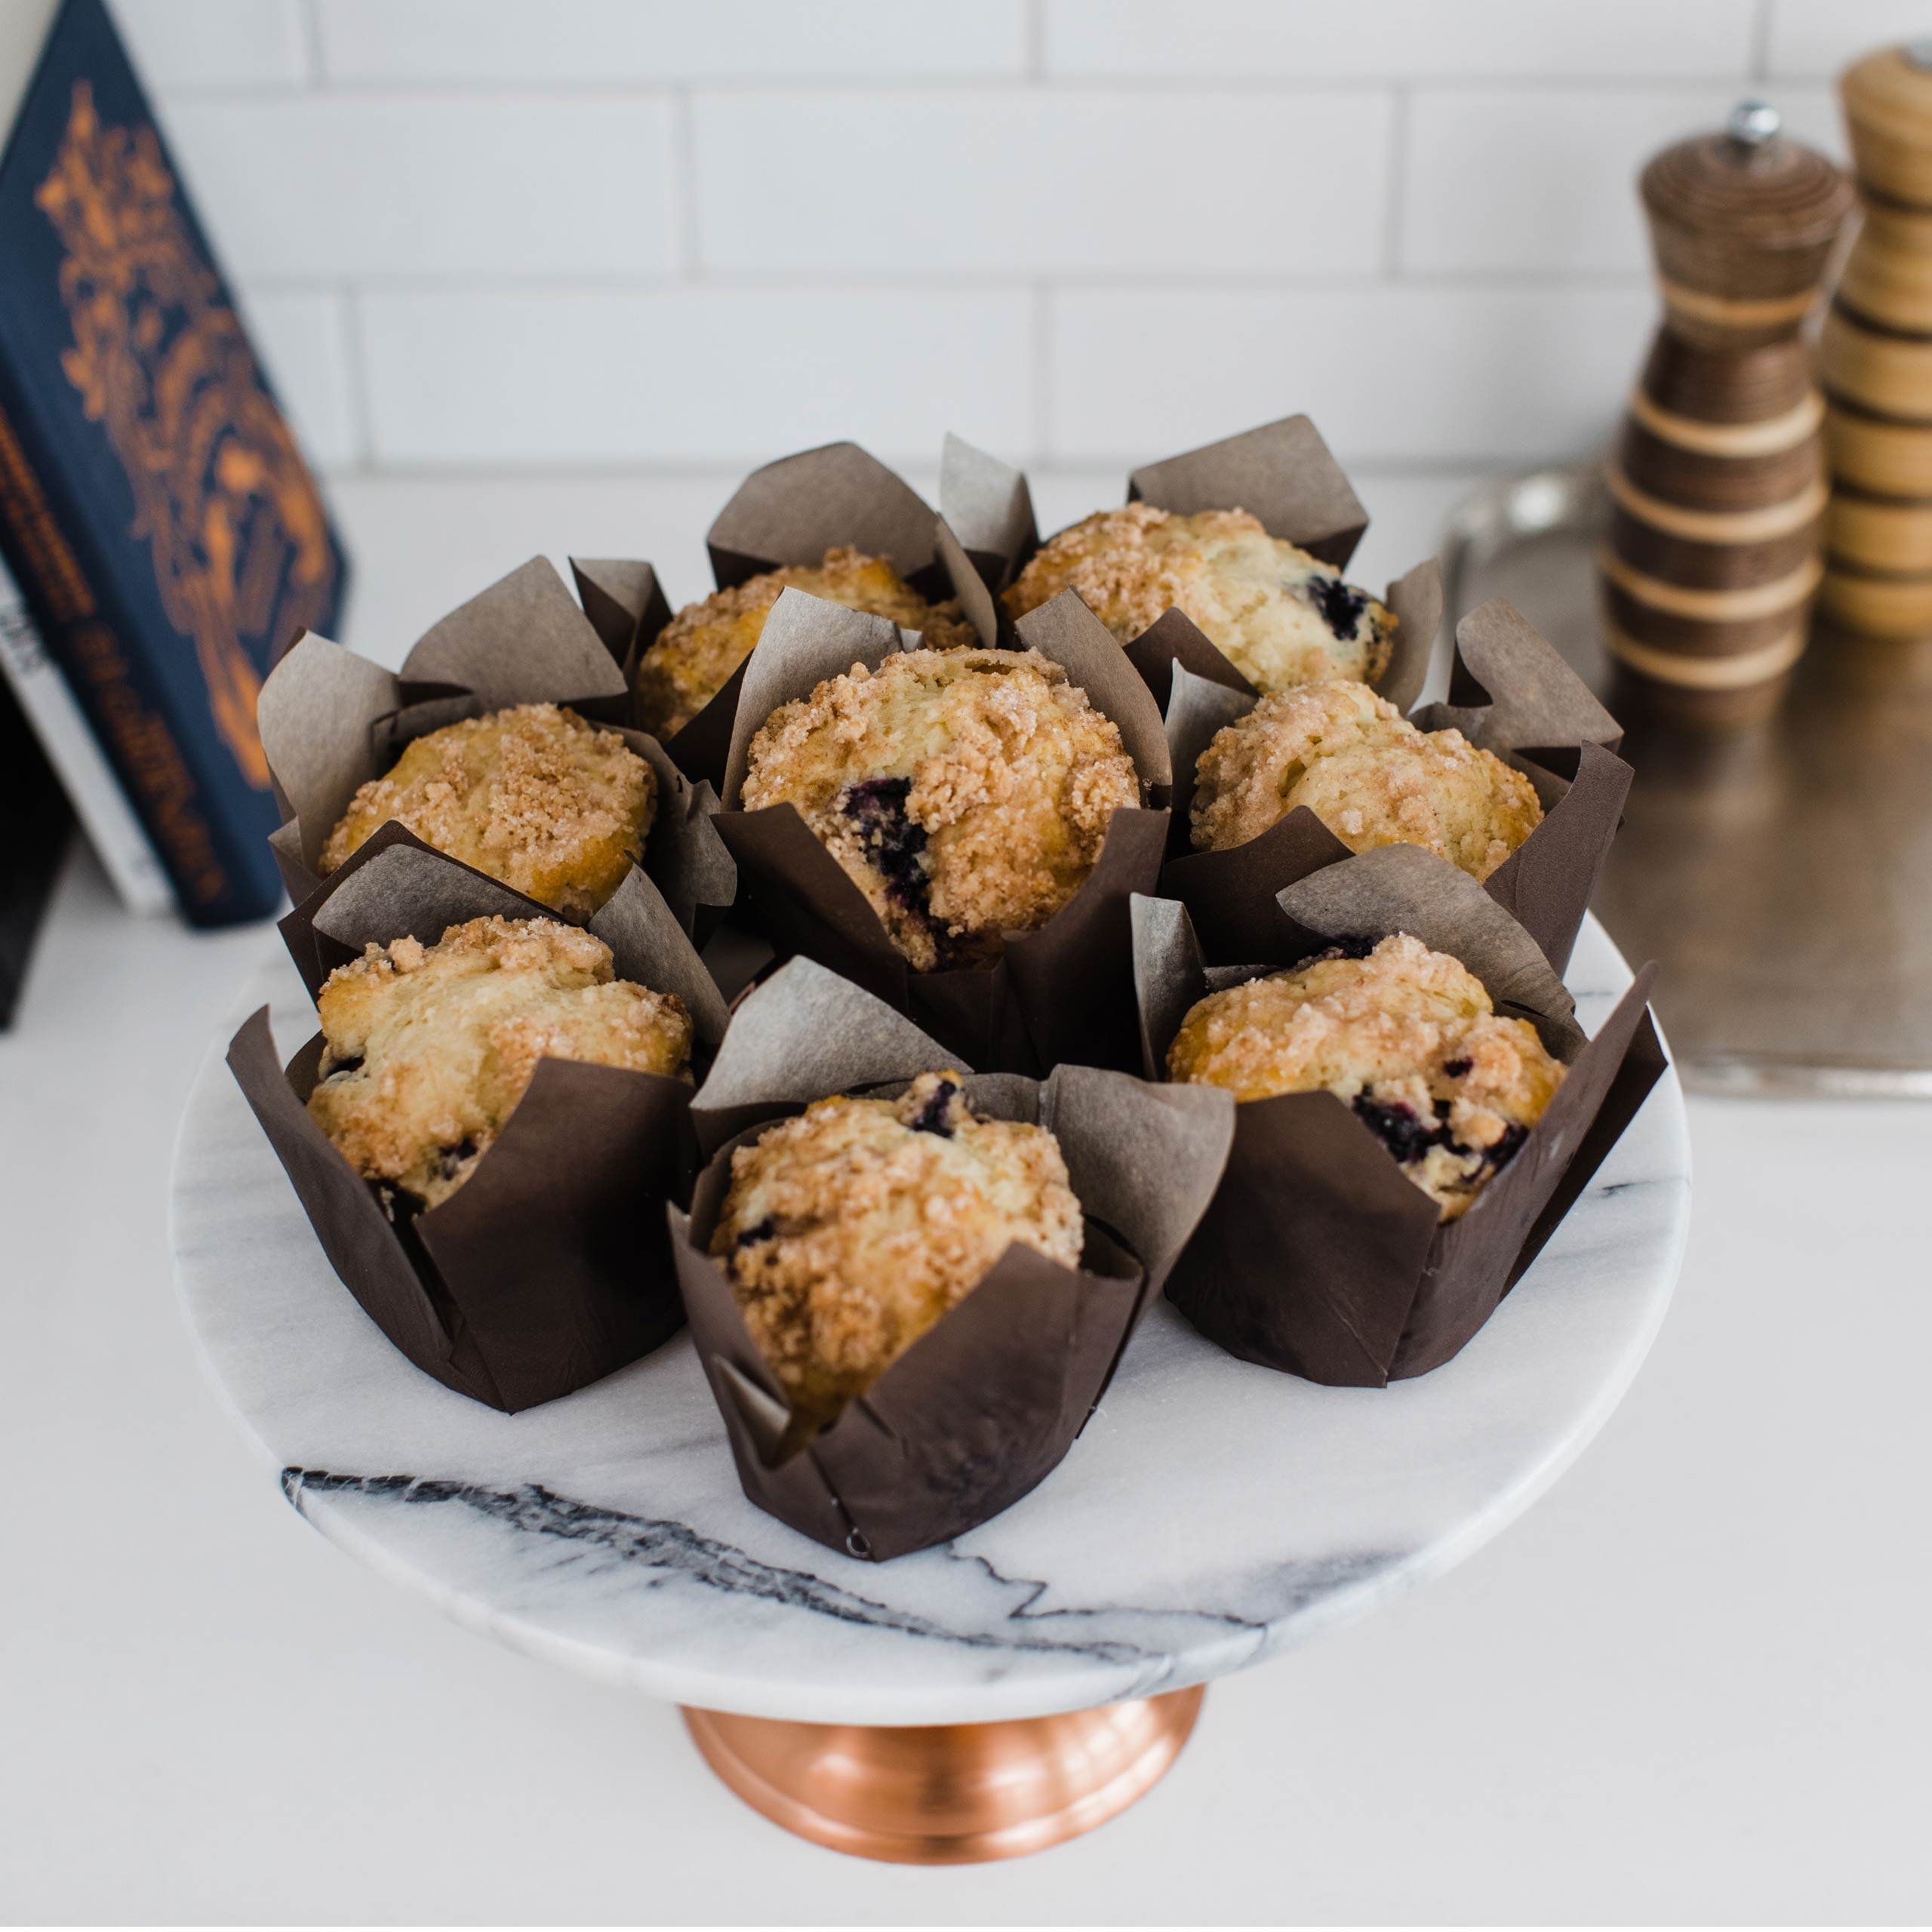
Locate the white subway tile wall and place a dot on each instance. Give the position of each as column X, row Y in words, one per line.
column 1392, row 372
column 689, row 376
column 1539, row 182
column 303, row 335
column 367, row 187
column 196, row 44
column 1041, row 182
column 653, row 41
column 1400, row 40
column 1816, row 37
column 569, row 241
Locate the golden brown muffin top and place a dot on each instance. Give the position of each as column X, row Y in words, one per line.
column 1367, row 773
column 1407, row 1036
column 533, row 795
column 850, row 1229
column 1278, row 614
column 692, row 658
column 429, row 1048
column 967, row 792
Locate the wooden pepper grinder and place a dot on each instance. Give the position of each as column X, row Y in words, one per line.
column 1718, row 480
column 1876, row 362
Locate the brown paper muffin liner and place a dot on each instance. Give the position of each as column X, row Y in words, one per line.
column 1510, row 692
column 330, row 721
column 988, row 505
column 550, row 1267
column 984, row 1405
column 789, row 512
column 1062, row 991
column 1317, row 1256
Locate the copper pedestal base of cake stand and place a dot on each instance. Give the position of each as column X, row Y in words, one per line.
column 950, row 1794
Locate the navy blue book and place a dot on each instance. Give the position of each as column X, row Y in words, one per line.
column 168, row 536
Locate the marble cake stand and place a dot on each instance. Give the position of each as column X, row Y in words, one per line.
column 987, row 1697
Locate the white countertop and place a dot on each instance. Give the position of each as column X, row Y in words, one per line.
column 1692, row 1683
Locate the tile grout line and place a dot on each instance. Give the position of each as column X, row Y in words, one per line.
column 868, row 283
column 1041, row 413
column 1285, row 87
column 1396, row 192
column 310, row 17
column 689, row 269
column 1760, row 56
column 356, row 357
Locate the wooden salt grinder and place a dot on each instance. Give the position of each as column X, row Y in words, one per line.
column 1876, row 362
column 1718, row 479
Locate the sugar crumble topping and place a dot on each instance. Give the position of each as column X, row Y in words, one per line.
column 1407, row 1036
column 429, row 1048
column 534, row 795
column 851, row 1229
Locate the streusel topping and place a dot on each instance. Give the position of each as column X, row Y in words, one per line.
column 1367, row 773
column 693, row 657
column 429, row 1048
column 1279, row 615
column 967, row 792
column 851, row 1229
column 1407, row 1036
column 534, row 795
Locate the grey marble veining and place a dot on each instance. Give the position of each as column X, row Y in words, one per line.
column 1212, row 1513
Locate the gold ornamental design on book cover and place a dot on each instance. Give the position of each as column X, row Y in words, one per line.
column 231, row 516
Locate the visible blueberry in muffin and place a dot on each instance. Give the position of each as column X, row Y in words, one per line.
column 1367, row 773
column 966, row 793
column 939, row 1111
column 1400, row 1128
column 1407, row 1036
column 851, row 1229
column 1340, row 603
column 534, row 796
column 1410, row 1136
column 1280, row 615
column 692, row 659
column 895, row 846
column 453, row 1161
column 427, row 1049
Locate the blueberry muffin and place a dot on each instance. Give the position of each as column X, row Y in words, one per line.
column 1280, row 615
column 1367, row 773
column 850, row 1229
column 967, row 792
column 429, row 1048
column 1407, row 1036
column 693, row 656
column 534, row 796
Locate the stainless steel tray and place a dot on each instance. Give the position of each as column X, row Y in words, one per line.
column 1782, row 875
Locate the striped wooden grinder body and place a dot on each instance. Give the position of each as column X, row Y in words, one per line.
column 1875, row 362
column 1717, row 478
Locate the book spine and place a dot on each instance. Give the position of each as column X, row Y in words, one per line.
column 79, row 628
column 126, row 852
